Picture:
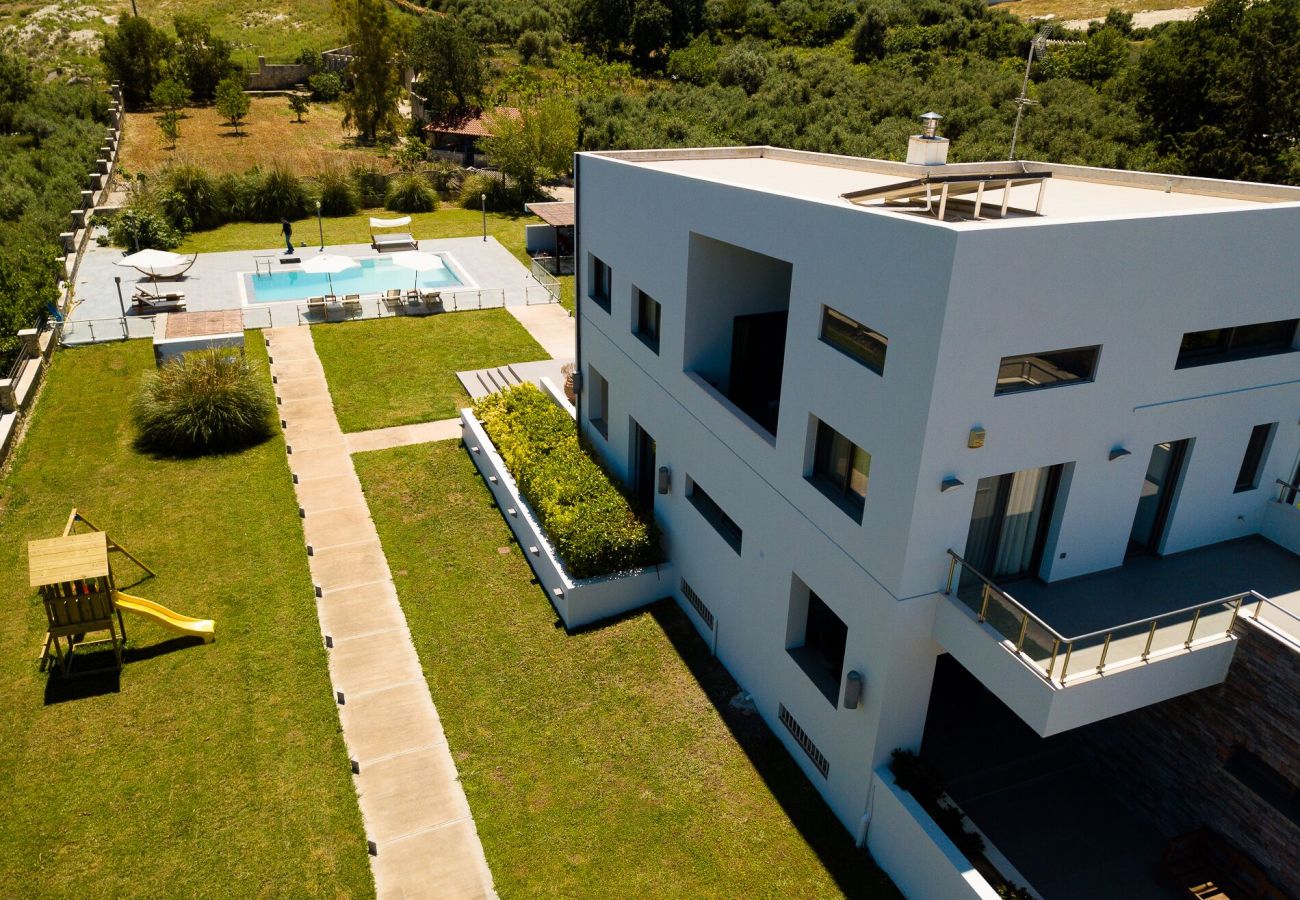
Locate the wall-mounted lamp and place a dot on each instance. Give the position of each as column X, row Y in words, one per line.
column 950, row 483
column 1118, row 453
column 976, row 438
column 853, row 690
column 665, row 479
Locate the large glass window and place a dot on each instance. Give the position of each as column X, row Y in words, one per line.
column 1051, row 368
column 602, row 283
column 855, row 339
column 713, row 514
column 647, row 319
column 1216, row 345
column 1253, row 462
column 840, row 470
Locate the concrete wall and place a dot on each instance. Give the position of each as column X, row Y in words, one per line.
column 919, row 857
column 274, row 77
column 1168, row 760
column 1281, row 525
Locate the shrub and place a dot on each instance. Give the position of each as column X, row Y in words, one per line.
column 338, row 196
column 280, row 194
column 445, row 176
column 410, row 193
column 142, row 228
column 208, row 401
column 188, row 196
column 500, row 196
column 325, row 87
column 591, row 524
column 371, row 184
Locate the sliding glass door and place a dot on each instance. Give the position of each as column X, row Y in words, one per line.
column 1152, row 516
column 1008, row 526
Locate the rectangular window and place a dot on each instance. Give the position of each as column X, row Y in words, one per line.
column 840, row 470
column 1266, row 782
column 602, row 283
column 854, row 339
column 713, row 514
column 1253, row 461
column 821, row 650
column 1052, row 368
column 647, row 319
column 1217, row 345
column 598, row 401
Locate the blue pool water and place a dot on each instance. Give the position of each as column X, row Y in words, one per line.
column 373, row 276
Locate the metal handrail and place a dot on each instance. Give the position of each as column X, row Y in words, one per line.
column 1284, row 487
column 1060, row 640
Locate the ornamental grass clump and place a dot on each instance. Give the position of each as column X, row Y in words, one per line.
column 208, row 401
column 588, row 520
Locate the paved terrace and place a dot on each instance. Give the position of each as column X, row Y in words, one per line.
column 1150, row 585
column 493, row 277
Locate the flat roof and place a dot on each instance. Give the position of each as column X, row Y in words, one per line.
column 558, row 213
column 1070, row 192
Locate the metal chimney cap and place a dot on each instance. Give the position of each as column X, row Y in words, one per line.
column 930, row 125
column 931, row 115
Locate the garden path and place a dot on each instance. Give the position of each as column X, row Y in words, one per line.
column 418, row 823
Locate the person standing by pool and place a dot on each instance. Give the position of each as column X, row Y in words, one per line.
column 287, row 230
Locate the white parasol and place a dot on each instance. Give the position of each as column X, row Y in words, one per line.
column 330, row 264
column 419, row 261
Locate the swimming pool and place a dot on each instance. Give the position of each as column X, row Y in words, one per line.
column 373, row 276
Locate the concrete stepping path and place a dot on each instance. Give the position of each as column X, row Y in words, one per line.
column 551, row 326
column 418, row 823
column 402, row 435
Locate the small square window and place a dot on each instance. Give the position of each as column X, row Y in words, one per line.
column 598, row 401
column 820, row 640
column 854, row 339
column 647, row 319
column 1052, row 368
column 1253, row 462
column 602, row 283
column 840, row 470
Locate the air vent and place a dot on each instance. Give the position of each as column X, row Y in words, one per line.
column 703, row 611
column 801, row 738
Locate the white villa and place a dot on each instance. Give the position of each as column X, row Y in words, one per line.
column 984, row 461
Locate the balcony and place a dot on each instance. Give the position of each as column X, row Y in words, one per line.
column 1081, row 650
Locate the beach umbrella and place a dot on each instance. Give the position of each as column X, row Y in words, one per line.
column 419, row 261
column 156, row 263
column 330, row 264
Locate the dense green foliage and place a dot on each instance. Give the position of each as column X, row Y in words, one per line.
column 207, row 401
column 142, row 228
column 535, row 146
column 448, row 67
column 338, row 194
column 49, row 135
column 371, row 106
column 410, row 194
column 232, row 102
column 590, row 522
column 142, row 57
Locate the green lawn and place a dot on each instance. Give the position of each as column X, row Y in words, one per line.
column 205, row 769
column 605, row 763
column 399, row 371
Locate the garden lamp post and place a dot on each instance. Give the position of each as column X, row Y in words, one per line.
column 482, row 199
column 120, row 303
column 320, row 225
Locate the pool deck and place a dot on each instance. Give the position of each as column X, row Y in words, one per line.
column 213, row 283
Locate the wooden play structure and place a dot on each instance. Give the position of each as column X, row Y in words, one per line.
column 75, row 578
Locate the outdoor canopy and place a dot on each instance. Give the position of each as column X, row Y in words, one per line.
column 329, row 263
column 390, row 223
column 157, row 263
column 419, row 261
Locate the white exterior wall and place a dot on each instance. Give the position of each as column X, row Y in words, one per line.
column 952, row 302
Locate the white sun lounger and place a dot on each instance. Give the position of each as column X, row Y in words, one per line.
column 393, row 241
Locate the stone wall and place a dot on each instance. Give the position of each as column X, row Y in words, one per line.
column 1167, row 760
column 269, row 77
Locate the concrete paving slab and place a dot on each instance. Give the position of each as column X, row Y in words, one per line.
column 403, row 435
column 338, row 526
column 373, row 662
column 318, row 495
column 319, row 463
column 396, row 720
column 290, row 410
column 551, row 326
column 350, row 564
column 402, row 798
column 360, row 610
column 302, row 440
column 441, row 863
column 315, row 416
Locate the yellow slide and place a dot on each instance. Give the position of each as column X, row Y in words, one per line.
column 156, row 612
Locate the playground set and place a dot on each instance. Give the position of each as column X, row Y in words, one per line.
column 75, row 578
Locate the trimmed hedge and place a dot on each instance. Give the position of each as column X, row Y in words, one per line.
column 589, row 521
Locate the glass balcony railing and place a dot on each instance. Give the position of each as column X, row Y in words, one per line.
column 1061, row 658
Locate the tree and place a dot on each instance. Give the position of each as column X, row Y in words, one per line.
column 135, row 54
column 203, row 60
column 371, row 106
column 299, row 103
column 16, row 86
column 602, row 24
column 448, row 67
column 170, row 94
column 232, row 102
column 170, row 125
column 536, row 146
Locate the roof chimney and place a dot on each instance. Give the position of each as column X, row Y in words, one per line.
column 928, row 148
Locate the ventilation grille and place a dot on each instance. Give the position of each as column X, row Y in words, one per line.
column 704, row 612
column 801, row 738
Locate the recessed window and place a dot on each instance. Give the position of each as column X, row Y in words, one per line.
column 602, row 283
column 1051, row 368
column 1266, row 782
column 1253, row 462
column 647, row 319
column 1217, row 345
column 854, row 339
column 840, row 470
column 820, row 637
column 598, row 401
column 722, row 523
